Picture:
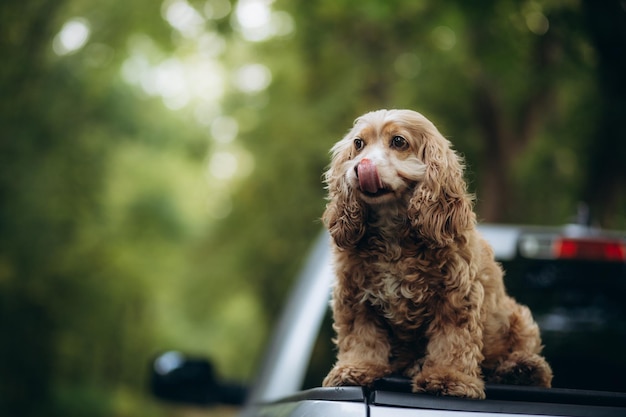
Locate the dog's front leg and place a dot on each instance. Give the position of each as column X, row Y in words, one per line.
column 454, row 350
column 363, row 347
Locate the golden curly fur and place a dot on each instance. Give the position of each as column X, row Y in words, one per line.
column 418, row 291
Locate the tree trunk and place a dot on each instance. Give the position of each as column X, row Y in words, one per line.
column 606, row 182
column 494, row 188
column 508, row 134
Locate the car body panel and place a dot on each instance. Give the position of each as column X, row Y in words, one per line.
column 311, row 408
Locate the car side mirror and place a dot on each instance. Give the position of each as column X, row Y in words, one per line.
column 184, row 380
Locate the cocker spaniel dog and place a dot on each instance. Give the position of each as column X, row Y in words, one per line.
column 418, row 291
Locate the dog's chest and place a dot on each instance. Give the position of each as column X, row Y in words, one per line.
column 399, row 294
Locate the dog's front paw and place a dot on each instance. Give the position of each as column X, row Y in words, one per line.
column 448, row 382
column 359, row 375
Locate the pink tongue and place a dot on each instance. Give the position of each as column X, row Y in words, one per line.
column 369, row 181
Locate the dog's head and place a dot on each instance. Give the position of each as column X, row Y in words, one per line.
column 397, row 158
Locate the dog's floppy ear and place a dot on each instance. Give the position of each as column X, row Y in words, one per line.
column 440, row 208
column 345, row 214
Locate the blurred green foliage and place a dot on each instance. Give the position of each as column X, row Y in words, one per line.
column 160, row 163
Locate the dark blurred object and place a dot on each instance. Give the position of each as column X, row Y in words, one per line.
column 178, row 379
column 575, row 283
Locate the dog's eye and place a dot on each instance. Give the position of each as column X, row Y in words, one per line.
column 399, row 143
column 358, row 144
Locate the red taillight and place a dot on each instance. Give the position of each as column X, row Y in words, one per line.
column 590, row 249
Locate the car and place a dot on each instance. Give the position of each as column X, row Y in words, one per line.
column 572, row 277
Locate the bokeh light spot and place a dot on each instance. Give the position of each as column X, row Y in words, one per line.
column 223, row 165
column 216, row 9
column 224, row 129
column 444, row 38
column 537, row 23
column 73, row 36
column 252, row 78
column 183, row 17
